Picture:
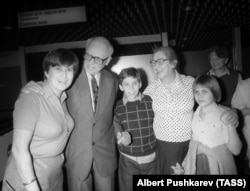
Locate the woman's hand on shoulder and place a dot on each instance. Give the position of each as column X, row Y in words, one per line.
column 32, row 87
column 230, row 117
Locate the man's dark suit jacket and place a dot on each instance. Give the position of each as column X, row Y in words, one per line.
column 93, row 135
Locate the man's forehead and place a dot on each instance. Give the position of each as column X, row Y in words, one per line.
column 97, row 44
column 97, row 49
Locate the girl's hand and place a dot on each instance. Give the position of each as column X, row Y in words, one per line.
column 178, row 169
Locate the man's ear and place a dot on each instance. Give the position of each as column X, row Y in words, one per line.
column 226, row 61
column 45, row 75
column 174, row 63
column 121, row 88
column 108, row 60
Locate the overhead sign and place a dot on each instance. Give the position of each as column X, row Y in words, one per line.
column 51, row 17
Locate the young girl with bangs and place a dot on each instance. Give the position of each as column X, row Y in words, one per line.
column 213, row 141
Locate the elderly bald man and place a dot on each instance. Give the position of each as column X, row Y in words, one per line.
column 91, row 152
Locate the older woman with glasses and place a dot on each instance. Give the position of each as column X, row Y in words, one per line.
column 173, row 106
column 173, row 103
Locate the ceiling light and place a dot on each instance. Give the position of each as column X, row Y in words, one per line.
column 188, row 8
column 7, row 27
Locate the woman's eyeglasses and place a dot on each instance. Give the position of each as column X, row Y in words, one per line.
column 159, row 61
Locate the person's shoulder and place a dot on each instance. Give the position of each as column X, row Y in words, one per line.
column 119, row 107
column 187, row 79
column 220, row 109
column 29, row 98
column 190, row 78
column 30, row 94
column 206, row 72
column 109, row 74
column 152, row 87
column 244, row 83
column 154, row 83
column 119, row 103
column 146, row 98
column 234, row 72
column 34, row 89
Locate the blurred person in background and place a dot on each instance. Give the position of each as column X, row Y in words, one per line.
column 219, row 58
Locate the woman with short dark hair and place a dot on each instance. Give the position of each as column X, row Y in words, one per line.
column 42, row 126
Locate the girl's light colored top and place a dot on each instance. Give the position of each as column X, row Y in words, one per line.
column 210, row 130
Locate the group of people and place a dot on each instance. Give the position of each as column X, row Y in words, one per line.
column 72, row 118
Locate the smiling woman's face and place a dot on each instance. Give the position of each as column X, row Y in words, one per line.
column 162, row 70
column 60, row 77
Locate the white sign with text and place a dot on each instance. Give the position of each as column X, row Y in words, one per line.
column 52, row 17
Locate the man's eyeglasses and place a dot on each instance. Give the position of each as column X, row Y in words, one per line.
column 159, row 61
column 97, row 60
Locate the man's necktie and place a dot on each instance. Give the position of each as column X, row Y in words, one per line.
column 95, row 91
